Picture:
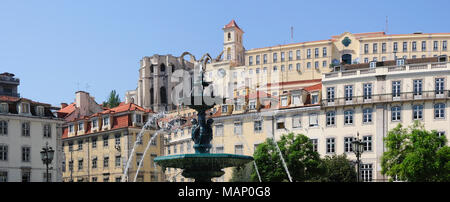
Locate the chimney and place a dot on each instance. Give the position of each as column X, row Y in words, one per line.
column 63, row 105
column 82, row 102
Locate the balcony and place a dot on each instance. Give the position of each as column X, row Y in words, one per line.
column 383, row 70
column 12, row 94
column 382, row 98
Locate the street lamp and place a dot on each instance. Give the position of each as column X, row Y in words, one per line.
column 47, row 157
column 358, row 149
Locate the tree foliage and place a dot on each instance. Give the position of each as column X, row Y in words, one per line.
column 113, row 100
column 243, row 173
column 302, row 161
column 416, row 155
column 338, row 168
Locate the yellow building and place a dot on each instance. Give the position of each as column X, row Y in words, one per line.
column 97, row 147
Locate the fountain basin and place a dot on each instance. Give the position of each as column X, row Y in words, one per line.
column 202, row 166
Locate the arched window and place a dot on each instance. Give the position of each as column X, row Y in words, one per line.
column 228, row 53
column 162, row 94
column 163, row 68
column 229, row 36
column 151, row 68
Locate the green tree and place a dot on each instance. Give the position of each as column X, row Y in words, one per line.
column 416, row 155
column 301, row 159
column 338, row 168
column 113, row 100
column 243, row 173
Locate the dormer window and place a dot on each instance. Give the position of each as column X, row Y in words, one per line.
column 252, row 105
column 4, row 108
column 314, row 98
column 106, row 121
column 224, row 109
column 373, row 64
column 71, row 128
column 24, row 108
column 40, row 111
column 80, row 126
column 295, row 99
column 400, row 62
column 94, row 123
column 138, row 118
column 284, row 101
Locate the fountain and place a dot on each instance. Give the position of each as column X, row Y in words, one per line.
column 202, row 165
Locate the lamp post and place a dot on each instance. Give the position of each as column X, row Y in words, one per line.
column 358, row 149
column 47, row 157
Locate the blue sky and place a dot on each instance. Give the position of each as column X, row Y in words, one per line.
column 57, row 47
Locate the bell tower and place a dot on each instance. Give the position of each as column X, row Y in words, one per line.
column 232, row 44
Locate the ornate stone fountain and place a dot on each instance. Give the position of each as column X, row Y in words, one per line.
column 202, row 165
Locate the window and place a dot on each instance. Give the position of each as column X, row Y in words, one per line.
column 94, row 162
column 366, row 60
column 348, row 92
column 366, row 48
column 315, row 144
column 105, row 140
column 441, row 134
column 405, row 46
column 257, row 70
column 71, row 165
column 383, row 58
column 435, row 45
column 375, row 48
column 324, row 52
column 298, row 54
column 331, row 118
column 274, row 57
column 219, row 130
column 316, row 52
column 80, row 164
column 283, row 68
column 296, row 121
column 257, row 126
column 257, row 59
column 367, row 141
column 424, row 45
column 25, row 108
column 81, row 126
column 94, row 142
column 4, row 108
column 94, row 123
column 295, row 99
column 439, row 111
column 396, row 89
column 105, row 121
column 315, row 99
column 250, row 60
column 106, row 162
column 316, row 64
column 367, row 115
column 348, row 144
column 26, row 151
column 414, row 46
column 290, row 55
column 313, row 120
column 417, row 112
column 284, row 101
column 105, row 178
column 71, row 128
column 3, row 152
column 265, row 58
column 444, row 45
column 238, row 149
column 308, row 65
column 324, row 63
column 383, row 47
column 224, row 109
column 26, row 175
column 139, row 157
column 265, row 69
column 367, row 91
column 395, row 46
column 401, row 62
column 219, row 149
column 439, row 86
column 298, row 67
column 275, row 68
column 70, row 146
column 3, row 127
column 3, row 176
column 80, row 145
column 290, row 67
column 417, row 86
column 348, row 117
column 280, row 123
column 308, row 53
column 47, row 131
column 366, row 172
column 40, row 111
column 238, row 128
column 26, row 129
column 117, row 140
column 330, row 145
column 282, row 56
column 396, row 113
column 330, row 94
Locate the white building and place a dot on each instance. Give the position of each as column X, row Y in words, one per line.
column 25, row 128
